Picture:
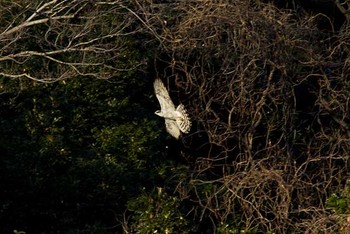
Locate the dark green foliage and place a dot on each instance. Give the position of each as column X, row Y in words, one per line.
column 340, row 202
column 74, row 152
column 157, row 212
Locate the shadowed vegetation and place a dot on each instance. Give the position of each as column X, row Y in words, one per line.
column 266, row 85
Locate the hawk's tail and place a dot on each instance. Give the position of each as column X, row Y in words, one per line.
column 185, row 123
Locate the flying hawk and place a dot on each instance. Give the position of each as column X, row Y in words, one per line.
column 176, row 120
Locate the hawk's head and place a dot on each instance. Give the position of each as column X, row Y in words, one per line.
column 159, row 113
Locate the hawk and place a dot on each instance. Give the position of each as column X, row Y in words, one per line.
column 176, row 120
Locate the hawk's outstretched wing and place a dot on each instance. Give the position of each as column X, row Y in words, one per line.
column 172, row 128
column 163, row 96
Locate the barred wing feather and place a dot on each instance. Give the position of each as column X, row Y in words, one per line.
column 185, row 123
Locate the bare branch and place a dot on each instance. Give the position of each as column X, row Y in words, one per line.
column 83, row 37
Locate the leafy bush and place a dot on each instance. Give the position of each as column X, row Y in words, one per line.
column 340, row 202
column 157, row 212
